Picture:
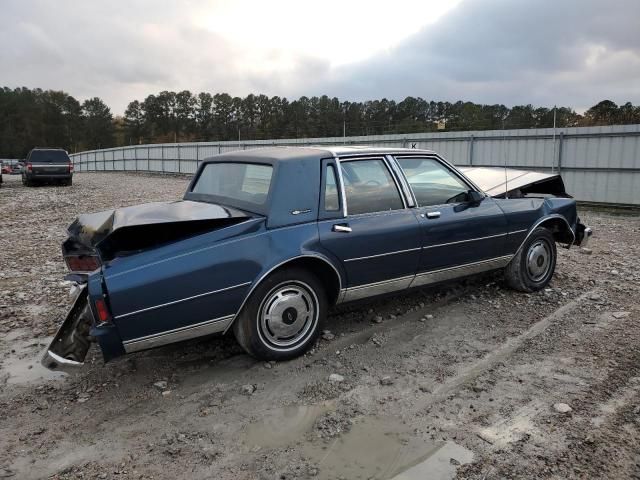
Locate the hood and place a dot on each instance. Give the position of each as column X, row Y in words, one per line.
column 142, row 226
column 494, row 181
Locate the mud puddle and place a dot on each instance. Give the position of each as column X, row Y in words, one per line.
column 381, row 448
column 20, row 362
column 285, row 425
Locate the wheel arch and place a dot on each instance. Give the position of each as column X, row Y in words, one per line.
column 320, row 266
column 559, row 227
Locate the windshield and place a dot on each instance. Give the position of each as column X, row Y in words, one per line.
column 243, row 182
column 49, row 156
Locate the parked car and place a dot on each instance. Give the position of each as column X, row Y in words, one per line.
column 264, row 242
column 16, row 168
column 5, row 169
column 47, row 165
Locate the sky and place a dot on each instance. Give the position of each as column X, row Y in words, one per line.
column 544, row 52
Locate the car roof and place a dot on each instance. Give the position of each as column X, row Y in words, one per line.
column 274, row 154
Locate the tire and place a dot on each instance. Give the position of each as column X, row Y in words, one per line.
column 263, row 327
column 68, row 182
column 531, row 269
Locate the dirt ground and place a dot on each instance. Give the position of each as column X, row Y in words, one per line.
column 467, row 380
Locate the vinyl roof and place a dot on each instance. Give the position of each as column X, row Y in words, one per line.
column 297, row 153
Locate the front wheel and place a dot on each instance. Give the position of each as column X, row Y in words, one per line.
column 532, row 267
column 283, row 315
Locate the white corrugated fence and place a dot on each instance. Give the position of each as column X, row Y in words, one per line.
column 598, row 164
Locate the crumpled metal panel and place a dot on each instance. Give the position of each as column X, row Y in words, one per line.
column 496, row 181
column 92, row 228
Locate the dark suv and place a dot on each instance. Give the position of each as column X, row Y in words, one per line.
column 47, row 165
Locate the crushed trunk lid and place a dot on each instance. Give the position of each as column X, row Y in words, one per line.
column 147, row 225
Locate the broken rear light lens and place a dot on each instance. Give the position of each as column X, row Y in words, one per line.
column 70, row 167
column 82, row 263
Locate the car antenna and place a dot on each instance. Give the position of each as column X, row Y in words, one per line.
column 504, row 154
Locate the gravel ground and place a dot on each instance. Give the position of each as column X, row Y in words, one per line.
column 467, row 379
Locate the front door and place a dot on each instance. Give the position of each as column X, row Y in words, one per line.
column 460, row 235
column 378, row 241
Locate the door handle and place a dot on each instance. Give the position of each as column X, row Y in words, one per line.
column 341, row 228
column 433, row 214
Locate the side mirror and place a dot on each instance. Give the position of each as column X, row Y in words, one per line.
column 474, row 196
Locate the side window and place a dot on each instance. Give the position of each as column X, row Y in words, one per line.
column 331, row 198
column 432, row 182
column 369, row 187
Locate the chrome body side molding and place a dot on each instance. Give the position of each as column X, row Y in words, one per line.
column 176, row 335
column 154, row 307
column 450, row 273
column 423, row 278
column 382, row 254
column 378, row 288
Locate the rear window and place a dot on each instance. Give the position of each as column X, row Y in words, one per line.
column 49, row 156
column 244, row 182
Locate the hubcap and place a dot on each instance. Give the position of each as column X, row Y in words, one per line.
column 539, row 260
column 288, row 314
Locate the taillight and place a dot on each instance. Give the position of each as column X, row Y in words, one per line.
column 82, row 263
column 101, row 309
column 70, row 167
column 29, row 167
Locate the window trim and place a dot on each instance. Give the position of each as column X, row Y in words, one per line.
column 446, row 165
column 390, row 171
column 324, row 214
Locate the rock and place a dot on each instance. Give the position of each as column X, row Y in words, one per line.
column 614, row 272
column 327, row 335
column 248, row 389
column 562, row 407
column 161, row 385
column 336, row 378
column 166, row 393
column 267, row 365
column 586, row 251
column 619, row 315
column 424, row 388
column 429, row 317
column 453, row 461
column 386, row 380
column 377, row 319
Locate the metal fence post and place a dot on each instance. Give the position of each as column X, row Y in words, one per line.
column 162, row 156
column 148, row 159
column 471, row 149
column 135, row 157
column 560, row 140
column 179, row 160
column 197, row 155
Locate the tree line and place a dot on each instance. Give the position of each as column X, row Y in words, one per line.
column 35, row 117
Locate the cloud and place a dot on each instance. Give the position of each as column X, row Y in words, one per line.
column 570, row 52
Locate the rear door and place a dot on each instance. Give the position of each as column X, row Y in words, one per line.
column 459, row 236
column 368, row 226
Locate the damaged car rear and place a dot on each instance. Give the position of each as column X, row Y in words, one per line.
column 264, row 242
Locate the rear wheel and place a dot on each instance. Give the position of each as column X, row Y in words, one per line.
column 283, row 315
column 532, row 267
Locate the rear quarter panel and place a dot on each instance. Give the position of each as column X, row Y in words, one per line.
column 179, row 278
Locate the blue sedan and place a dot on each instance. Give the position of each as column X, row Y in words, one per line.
column 266, row 241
